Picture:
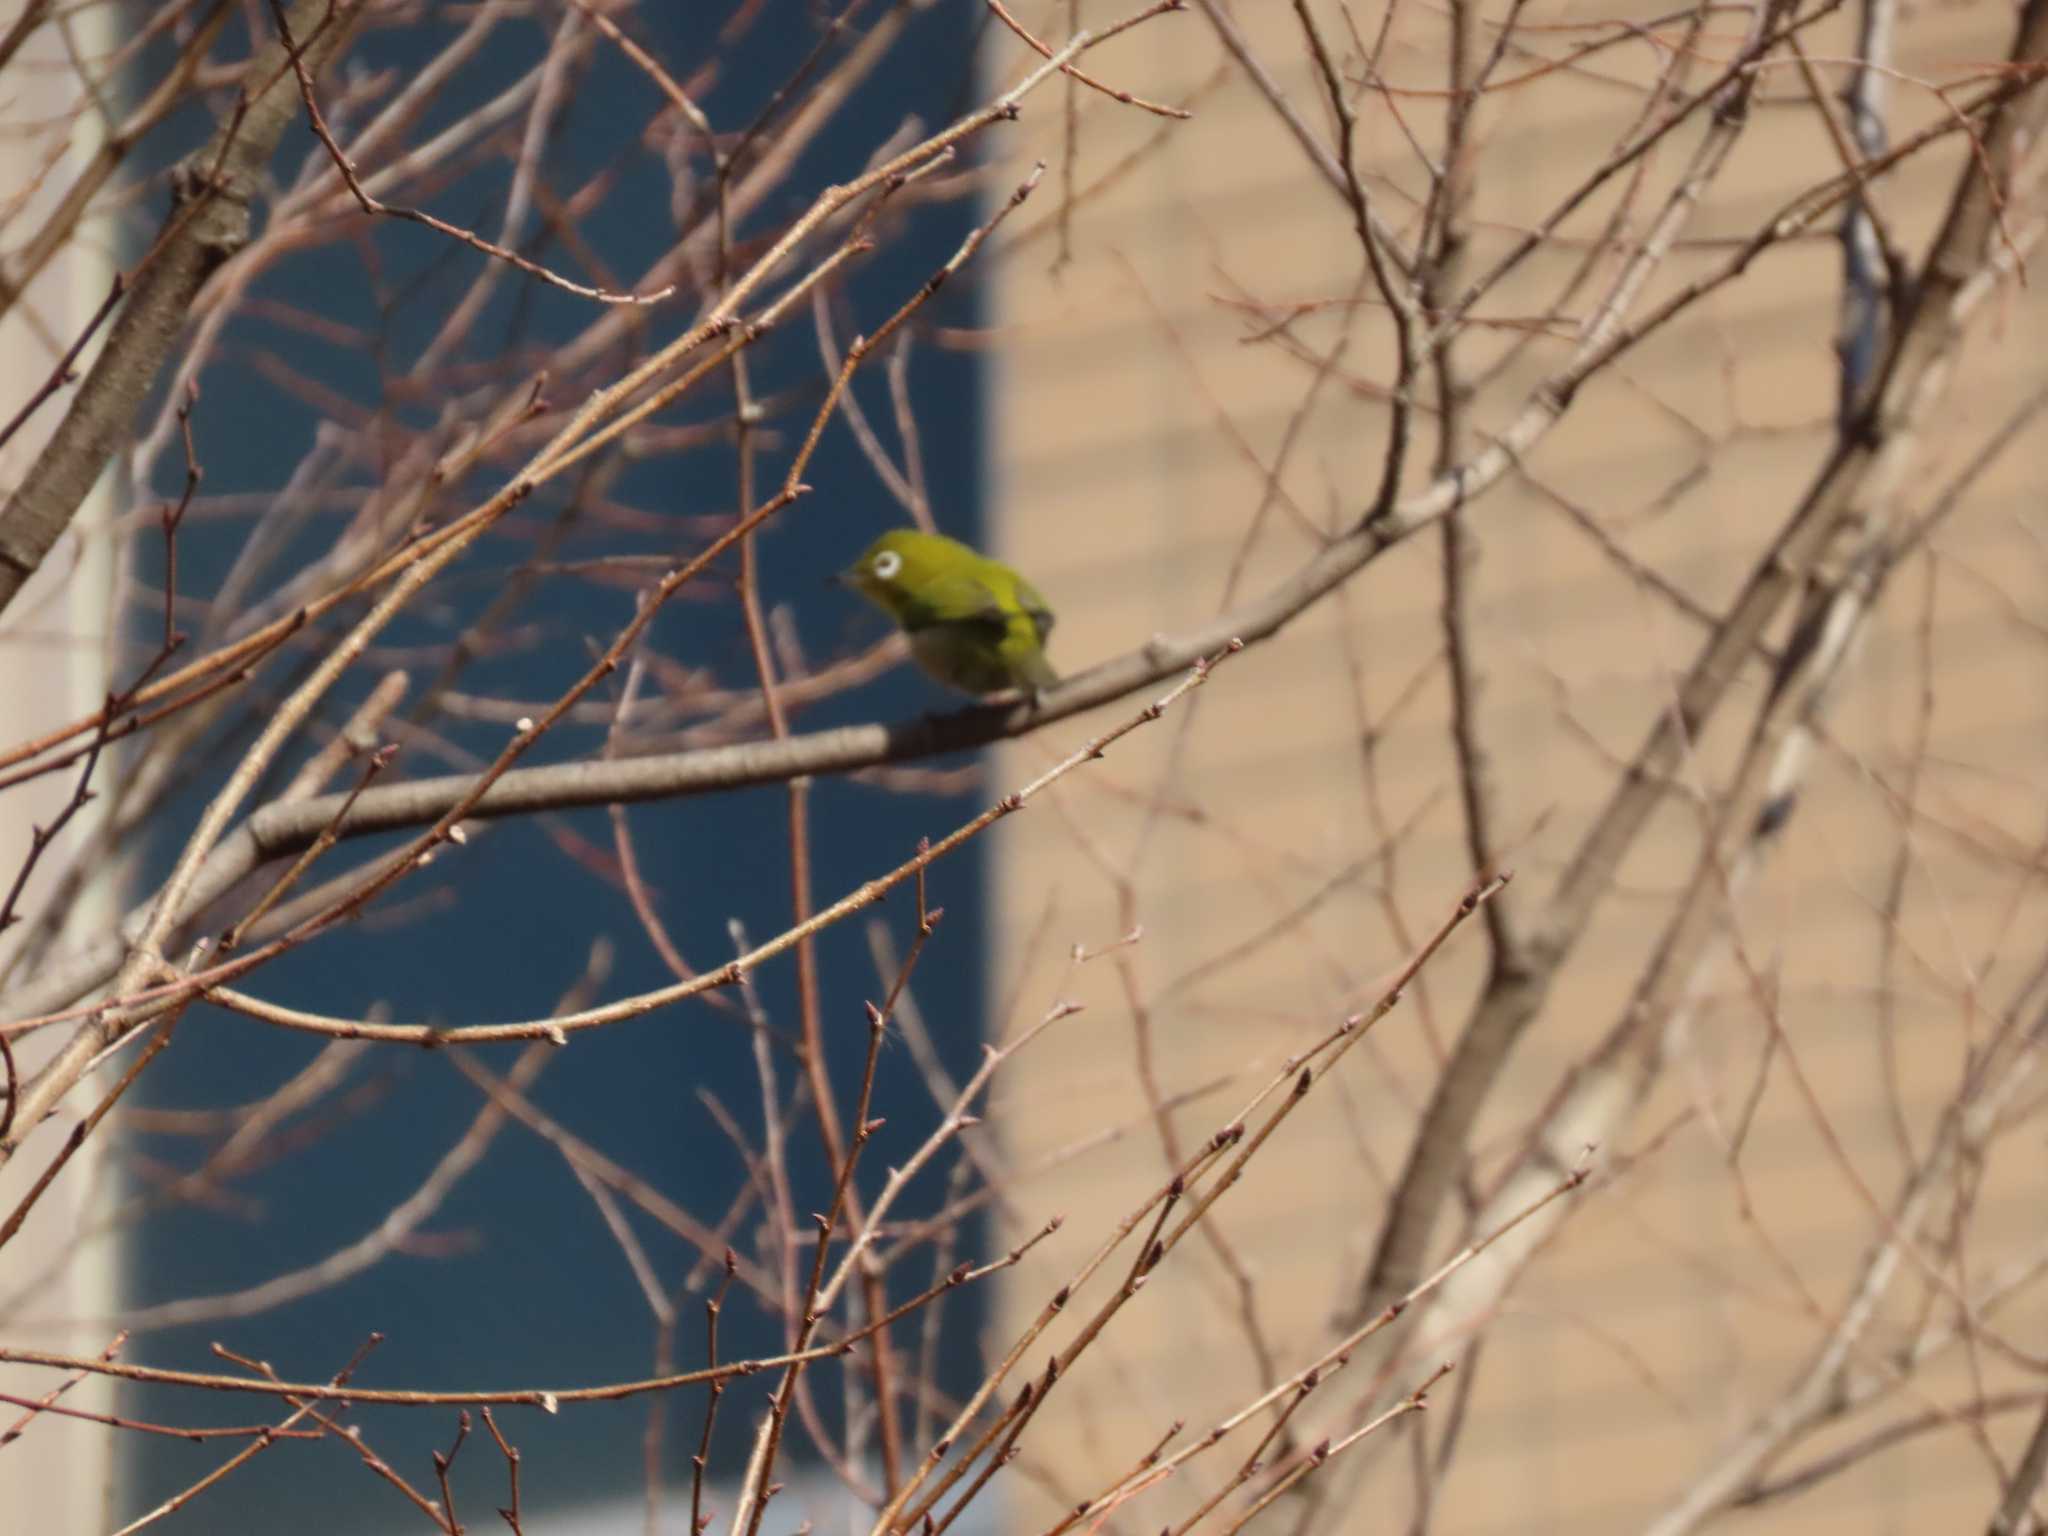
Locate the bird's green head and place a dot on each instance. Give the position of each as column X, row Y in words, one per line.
column 904, row 566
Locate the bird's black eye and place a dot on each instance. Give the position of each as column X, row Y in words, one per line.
column 887, row 564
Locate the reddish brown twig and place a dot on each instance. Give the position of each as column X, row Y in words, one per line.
column 375, row 206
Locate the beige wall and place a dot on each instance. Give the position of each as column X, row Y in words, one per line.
column 1129, row 427
column 53, row 668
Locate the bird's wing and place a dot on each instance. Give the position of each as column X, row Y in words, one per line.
column 958, row 598
column 1033, row 604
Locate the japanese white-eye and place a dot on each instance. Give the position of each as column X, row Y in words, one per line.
column 974, row 624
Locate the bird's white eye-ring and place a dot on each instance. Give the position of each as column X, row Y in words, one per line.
column 887, row 564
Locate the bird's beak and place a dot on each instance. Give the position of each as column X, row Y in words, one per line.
column 844, row 578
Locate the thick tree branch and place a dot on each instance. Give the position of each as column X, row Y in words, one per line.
column 601, row 417
column 208, row 224
column 2013, row 1517
column 1865, row 468
column 851, row 748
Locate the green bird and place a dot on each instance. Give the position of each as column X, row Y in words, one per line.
column 974, row 624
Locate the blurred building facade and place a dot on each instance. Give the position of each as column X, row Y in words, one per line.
column 54, row 668
column 1188, row 397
